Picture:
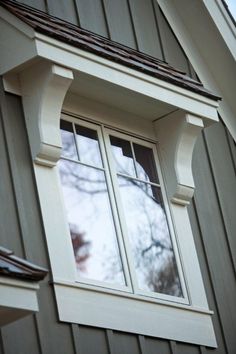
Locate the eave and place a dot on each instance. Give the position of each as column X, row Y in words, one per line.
column 163, row 90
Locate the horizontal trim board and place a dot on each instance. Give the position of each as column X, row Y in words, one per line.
column 113, row 312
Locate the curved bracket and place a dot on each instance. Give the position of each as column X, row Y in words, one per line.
column 43, row 91
column 177, row 134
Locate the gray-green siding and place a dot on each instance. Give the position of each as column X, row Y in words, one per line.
column 139, row 24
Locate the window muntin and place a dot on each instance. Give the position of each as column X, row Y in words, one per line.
column 132, row 161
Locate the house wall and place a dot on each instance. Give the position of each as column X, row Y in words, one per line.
column 140, row 25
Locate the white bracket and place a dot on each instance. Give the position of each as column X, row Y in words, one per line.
column 177, row 134
column 43, row 89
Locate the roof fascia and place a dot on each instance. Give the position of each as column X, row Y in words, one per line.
column 223, row 22
column 14, row 33
column 212, row 59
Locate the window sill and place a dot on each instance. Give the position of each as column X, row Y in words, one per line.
column 88, row 305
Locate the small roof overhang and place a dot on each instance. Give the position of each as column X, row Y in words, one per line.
column 18, row 287
column 103, row 70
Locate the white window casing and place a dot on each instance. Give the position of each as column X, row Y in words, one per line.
column 180, row 116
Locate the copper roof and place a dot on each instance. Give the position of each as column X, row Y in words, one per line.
column 86, row 40
column 15, row 267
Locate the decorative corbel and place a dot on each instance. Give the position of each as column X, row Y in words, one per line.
column 43, row 88
column 177, row 134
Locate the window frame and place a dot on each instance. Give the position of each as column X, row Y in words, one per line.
column 104, row 130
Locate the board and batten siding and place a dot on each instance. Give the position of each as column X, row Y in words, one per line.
column 140, row 25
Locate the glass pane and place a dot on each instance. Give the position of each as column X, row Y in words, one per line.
column 145, row 163
column 88, row 145
column 123, row 157
column 91, row 223
column 149, row 236
column 68, row 140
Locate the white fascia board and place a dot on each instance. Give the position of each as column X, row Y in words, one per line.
column 17, row 43
column 108, row 71
column 18, row 298
column 211, row 58
column 224, row 23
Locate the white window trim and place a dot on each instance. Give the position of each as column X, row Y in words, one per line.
column 41, row 73
column 120, row 224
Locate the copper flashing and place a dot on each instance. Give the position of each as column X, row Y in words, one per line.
column 103, row 47
column 15, row 267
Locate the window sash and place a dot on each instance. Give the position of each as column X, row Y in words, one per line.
column 118, row 213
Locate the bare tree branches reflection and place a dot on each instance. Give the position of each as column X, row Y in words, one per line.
column 91, row 221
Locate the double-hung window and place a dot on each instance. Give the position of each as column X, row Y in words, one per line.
column 119, row 220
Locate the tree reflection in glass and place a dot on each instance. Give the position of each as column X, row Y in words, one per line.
column 146, row 221
column 89, row 213
column 91, row 218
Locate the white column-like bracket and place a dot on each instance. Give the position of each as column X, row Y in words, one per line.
column 43, row 89
column 177, row 134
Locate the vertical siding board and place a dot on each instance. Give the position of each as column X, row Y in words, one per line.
column 110, row 341
column 119, row 22
column 93, row 340
column 224, row 176
column 142, row 344
column 38, row 4
column 23, row 181
column 145, row 27
column 206, row 275
column 183, row 348
column 126, row 343
column 232, row 146
column 64, row 9
column 55, row 337
column 216, row 247
column 9, row 222
column 154, row 345
column 21, row 335
column 92, row 17
column 173, row 52
column 76, row 339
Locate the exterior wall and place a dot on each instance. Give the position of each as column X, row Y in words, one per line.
column 212, row 211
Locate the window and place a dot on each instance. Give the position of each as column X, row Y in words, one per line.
column 118, row 216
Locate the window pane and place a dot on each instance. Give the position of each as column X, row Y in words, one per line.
column 91, row 223
column 88, row 145
column 145, row 163
column 149, row 236
column 122, row 153
column 68, row 140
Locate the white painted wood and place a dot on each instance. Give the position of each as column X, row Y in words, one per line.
column 11, row 84
column 223, row 21
column 42, row 103
column 142, row 84
column 16, row 35
column 216, row 72
column 55, row 222
column 177, row 134
column 18, row 299
column 132, row 315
